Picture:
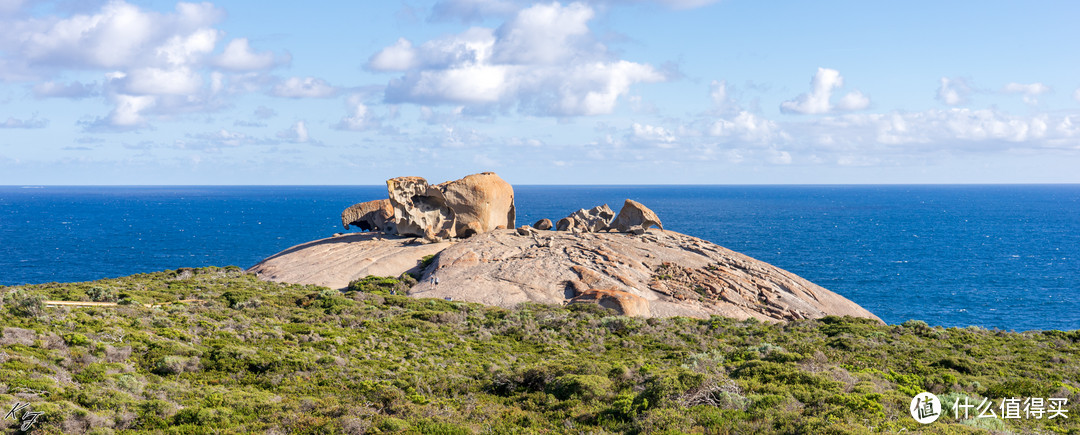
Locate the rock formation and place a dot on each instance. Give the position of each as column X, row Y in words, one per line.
column 480, row 203
column 334, row 262
column 419, row 209
column 675, row 274
column 483, row 258
column 543, row 224
column 370, row 216
column 635, row 215
column 594, row 220
column 475, row 204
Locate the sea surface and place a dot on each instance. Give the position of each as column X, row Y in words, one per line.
column 995, row 256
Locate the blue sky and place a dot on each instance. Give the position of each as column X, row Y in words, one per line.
column 589, row 92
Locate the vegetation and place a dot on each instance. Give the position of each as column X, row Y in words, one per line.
column 257, row 357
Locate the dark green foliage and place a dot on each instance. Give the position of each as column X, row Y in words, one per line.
column 260, row 357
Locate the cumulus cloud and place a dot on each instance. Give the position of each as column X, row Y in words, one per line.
column 543, row 60
column 33, row 122
column 476, row 10
column 401, row 56
column 1031, row 91
column 818, row 100
column 747, row 127
column 156, row 61
column 953, row 92
column 307, row 87
column 359, row 117
column 652, row 135
column 238, row 56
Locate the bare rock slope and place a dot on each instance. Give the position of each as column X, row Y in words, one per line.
column 336, row 261
column 658, row 274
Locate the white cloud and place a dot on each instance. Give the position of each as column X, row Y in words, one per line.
column 34, row 122
column 818, row 100
column 73, row 90
column 543, row 61
column 297, row 133
column 121, row 35
column 545, row 34
column 854, row 100
column 307, row 87
column 162, row 55
column 779, row 157
column 718, row 91
column 476, row 10
column 158, row 81
column 652, row 135
column 953, row 92
column 238, row 56
column 359, row 118
column 747, row 127
column 1031, row 91
column 398, row 57
column 129, row 110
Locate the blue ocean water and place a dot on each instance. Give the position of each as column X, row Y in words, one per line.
column 994, row 256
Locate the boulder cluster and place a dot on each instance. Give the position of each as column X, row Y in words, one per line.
column 634, row 218
column 477, row 204
column 461, row 208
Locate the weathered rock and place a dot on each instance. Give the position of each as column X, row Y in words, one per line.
column 334, row 262
column 419, row 209
column 370, row 216
column 593, row 220
column 565, row 224
column 622, row 302
column 525, row 230
column 635, row 215
column 480, row 202
column 543, row 224
column 474, row 204
column 676, row 274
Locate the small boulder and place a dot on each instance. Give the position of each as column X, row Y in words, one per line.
column 635, row 215
column 525, row 230
column 375, row 215
column 543, row 224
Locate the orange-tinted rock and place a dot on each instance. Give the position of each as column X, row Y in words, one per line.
column 635, row 215
column 370, row 216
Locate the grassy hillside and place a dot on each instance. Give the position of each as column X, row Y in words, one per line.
column 253, row 356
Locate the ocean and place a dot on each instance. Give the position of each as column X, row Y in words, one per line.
column 995, row 256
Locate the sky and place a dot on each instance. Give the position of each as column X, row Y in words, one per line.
column 587, row 92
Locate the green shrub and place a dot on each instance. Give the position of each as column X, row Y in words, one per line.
column 584, row 387
column 21, row 303
column 76, row 339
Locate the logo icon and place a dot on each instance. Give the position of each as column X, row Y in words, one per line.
column 925, row 408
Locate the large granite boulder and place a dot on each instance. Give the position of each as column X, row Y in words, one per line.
column 370, row 216
column 461, row 208
column 635, row 215
column 480, row 203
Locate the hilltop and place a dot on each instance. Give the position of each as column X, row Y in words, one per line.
column 261, row 357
